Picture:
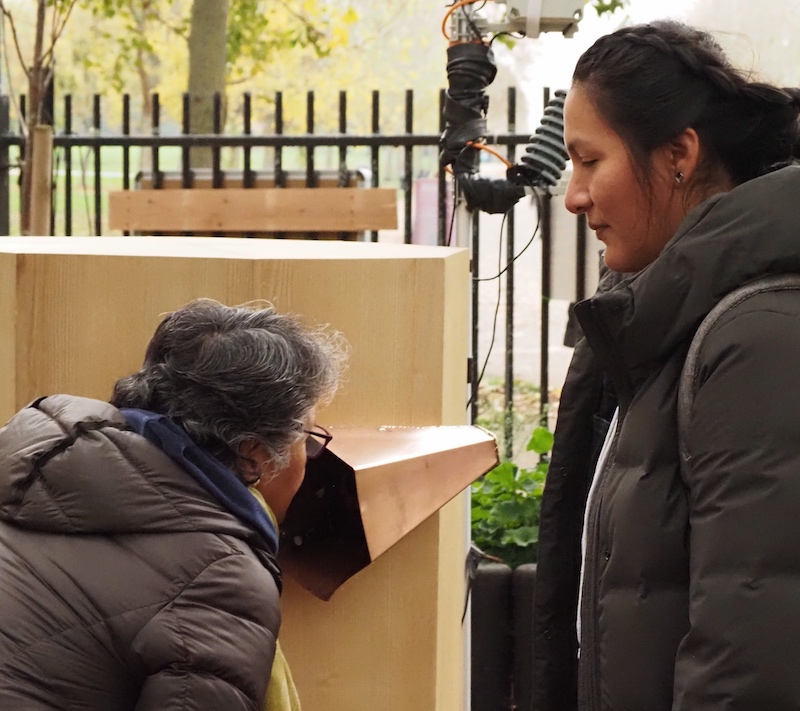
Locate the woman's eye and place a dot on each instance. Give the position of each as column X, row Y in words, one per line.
column 588, row 162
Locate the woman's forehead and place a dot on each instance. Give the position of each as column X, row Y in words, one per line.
column 583, row 124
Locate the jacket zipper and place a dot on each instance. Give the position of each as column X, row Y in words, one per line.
column 590, row 662
column 591, row 632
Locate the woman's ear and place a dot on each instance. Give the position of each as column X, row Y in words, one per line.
column 248, row 461
column 684, row 153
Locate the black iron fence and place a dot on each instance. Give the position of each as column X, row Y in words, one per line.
column 406, row 160
column 92, row 161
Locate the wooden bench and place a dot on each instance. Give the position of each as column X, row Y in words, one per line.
column 253, row 210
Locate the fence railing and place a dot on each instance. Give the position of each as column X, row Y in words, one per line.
column 106, row 159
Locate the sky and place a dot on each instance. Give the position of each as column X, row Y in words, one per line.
column 760, row 36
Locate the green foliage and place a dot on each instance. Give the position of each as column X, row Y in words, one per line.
column 258, row 32
column 136, row 37
column 506, row 505
column 609, row 6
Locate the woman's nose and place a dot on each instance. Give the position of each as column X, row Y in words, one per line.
column 576, row 199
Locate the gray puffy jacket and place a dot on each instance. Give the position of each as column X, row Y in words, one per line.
column 123, row 583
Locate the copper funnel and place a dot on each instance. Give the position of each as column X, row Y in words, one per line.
column 371, row 487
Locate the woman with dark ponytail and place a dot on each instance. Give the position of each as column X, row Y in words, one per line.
column 669, row 567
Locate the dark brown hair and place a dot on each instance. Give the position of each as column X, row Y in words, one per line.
column 651, row 82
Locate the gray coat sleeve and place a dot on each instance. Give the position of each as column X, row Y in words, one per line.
column 744, row 494
column 213, row 646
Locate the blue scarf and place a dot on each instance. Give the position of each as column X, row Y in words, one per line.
column 212, row 474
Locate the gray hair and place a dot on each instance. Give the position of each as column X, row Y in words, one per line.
column 228, row 374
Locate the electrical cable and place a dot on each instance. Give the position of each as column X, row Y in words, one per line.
column 513, row 35
column 478, row 37
column 499, row 283
column 481, row 147
column 452, row 222
column 494, row 318
column 491, row 151
column 525, row 248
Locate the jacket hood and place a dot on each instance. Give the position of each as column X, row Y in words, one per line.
column 73, row 465
column 728, row 240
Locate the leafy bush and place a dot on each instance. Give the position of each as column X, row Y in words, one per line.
column 506, row 505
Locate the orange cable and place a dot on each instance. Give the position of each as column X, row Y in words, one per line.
column 484, row 147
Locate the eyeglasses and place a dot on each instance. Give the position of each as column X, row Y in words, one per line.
column 316, row 442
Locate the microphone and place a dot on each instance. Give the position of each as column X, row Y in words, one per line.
column 546, row 157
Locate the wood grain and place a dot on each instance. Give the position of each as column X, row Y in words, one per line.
column 253, row 210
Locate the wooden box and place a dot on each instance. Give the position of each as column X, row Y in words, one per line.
column 77, row 313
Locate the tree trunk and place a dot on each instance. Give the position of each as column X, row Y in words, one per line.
column 38, row 74
column 207, row 64
column 40, row 169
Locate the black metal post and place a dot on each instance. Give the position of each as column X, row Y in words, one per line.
column 408, row 170
column 280, row 176
column 476, row 374
column 187, row 179
column 5, row 126
column 508, row 410
column 158, row 181
column 68, row 167
column 544, row 362
column 546, row 222
column 375, row 151
column 126, row 151
column 248, row 177
column 217, row 178
column 344, row 173
column 443, row 237
column 311, row 175
column 311, row 178
column 48, row 118
column 98, row 187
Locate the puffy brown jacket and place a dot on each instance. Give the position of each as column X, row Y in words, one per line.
column 691, row 596
column 123, row 583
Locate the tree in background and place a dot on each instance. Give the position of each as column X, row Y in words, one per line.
column 37, row 62
column 293, row 46
column 232, row 40
column 201, row 46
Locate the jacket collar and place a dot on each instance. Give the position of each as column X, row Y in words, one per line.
column 214, row 476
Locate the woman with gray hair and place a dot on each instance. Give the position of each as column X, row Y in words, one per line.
column 138, row 538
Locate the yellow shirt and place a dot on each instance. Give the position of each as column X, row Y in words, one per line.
column 281, row 692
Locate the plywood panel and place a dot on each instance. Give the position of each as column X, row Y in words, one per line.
column 8, row 335
column 84, row 321
column 254, row 210
column 391, row 637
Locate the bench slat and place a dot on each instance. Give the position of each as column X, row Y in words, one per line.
column 254, row 210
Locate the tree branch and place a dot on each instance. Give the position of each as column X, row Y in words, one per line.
column 11, row 92
column 12, row 24
column 309, row 26
column 56, row 31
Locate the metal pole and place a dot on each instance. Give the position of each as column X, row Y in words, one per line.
column 5, row 122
